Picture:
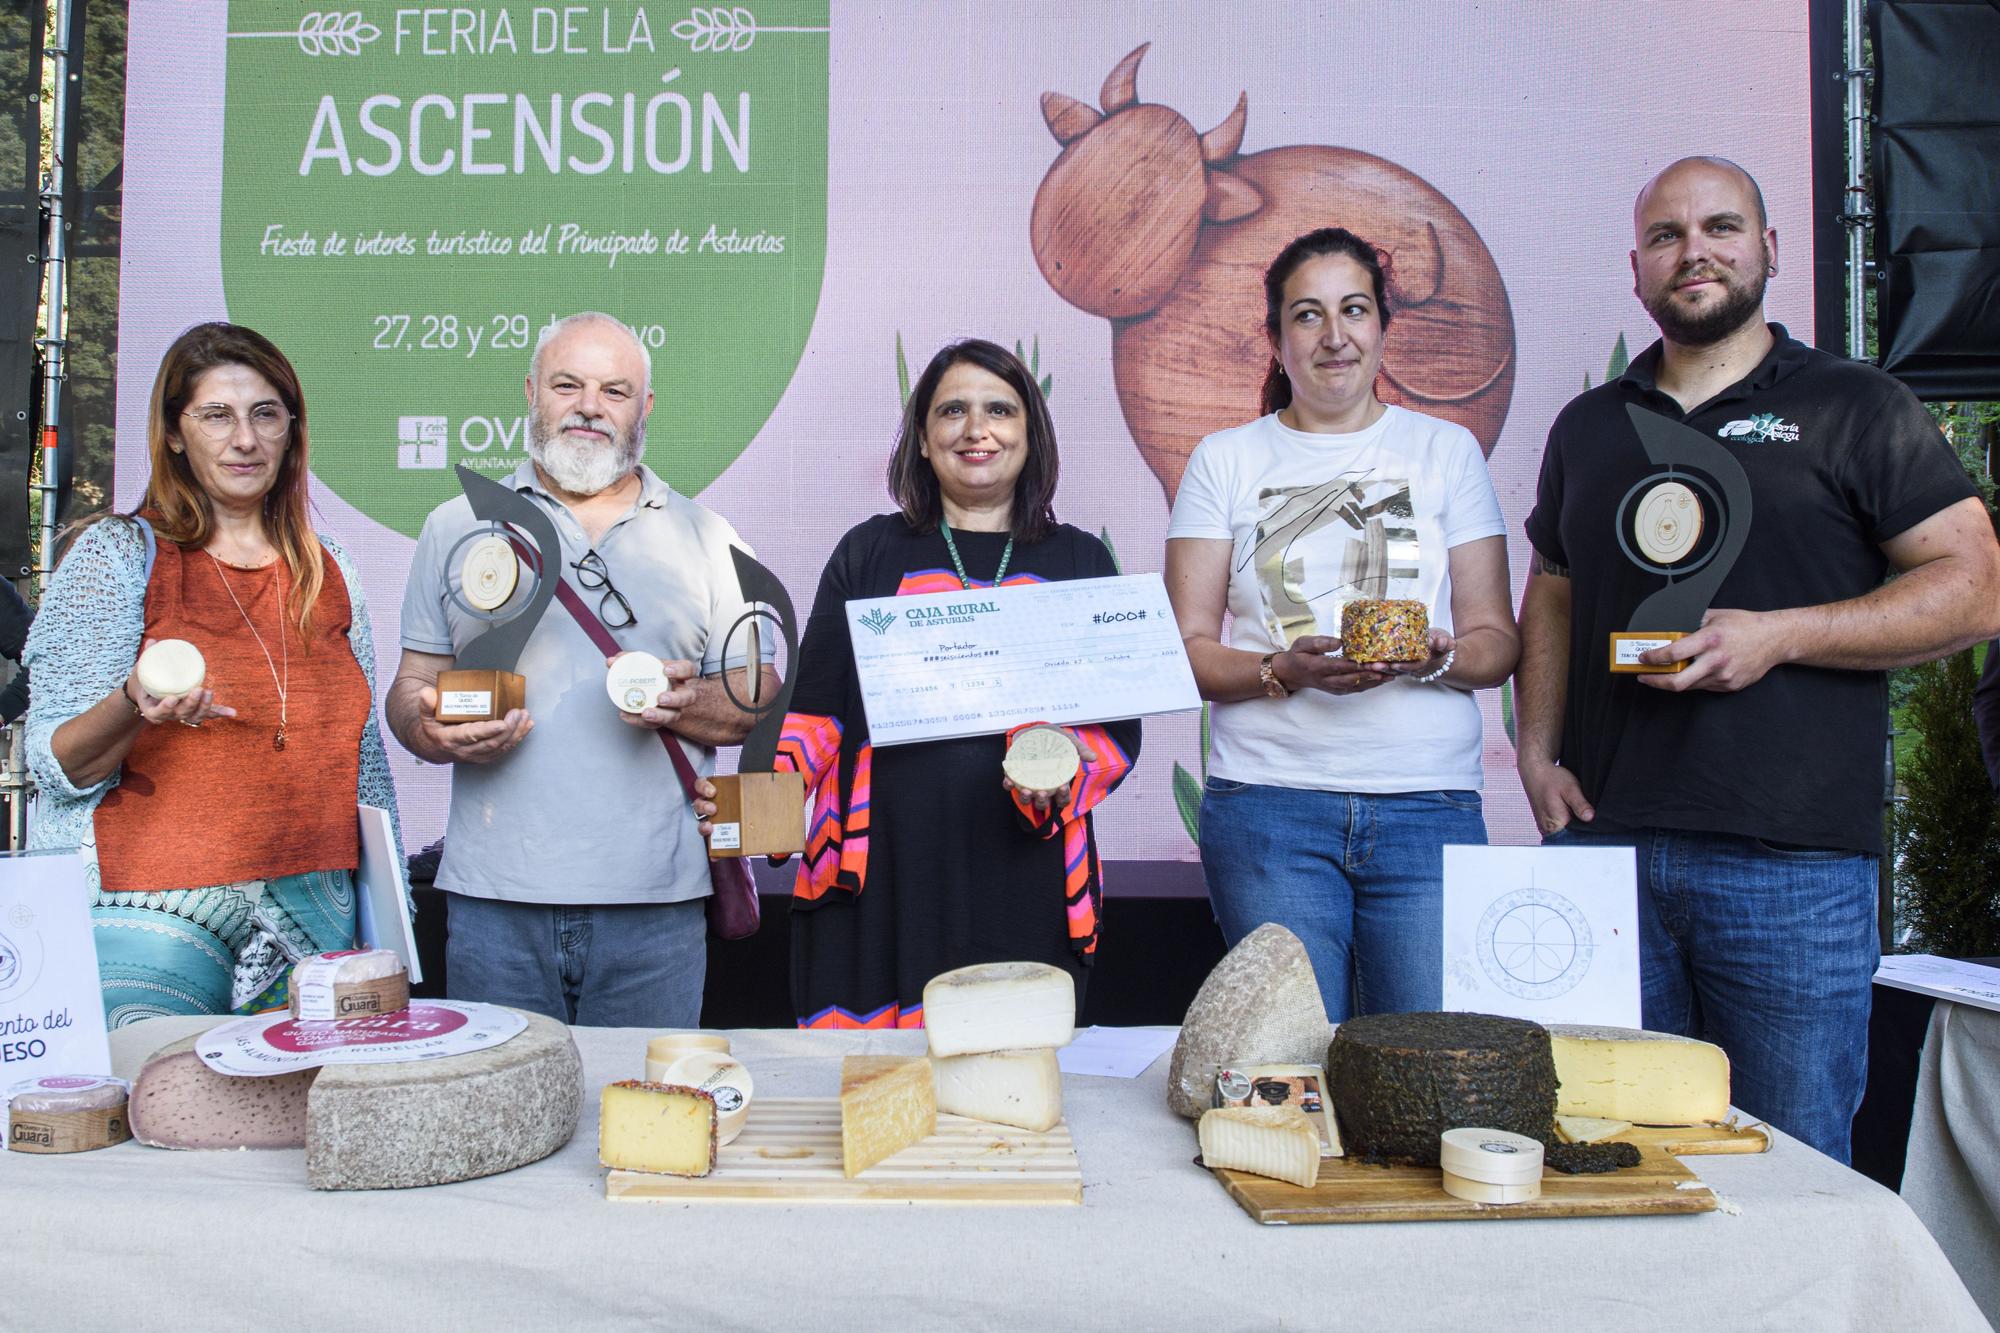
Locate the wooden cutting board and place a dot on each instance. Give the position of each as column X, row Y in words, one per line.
column 789, row 1152
column 1699, row 1140
column 1350, row 1190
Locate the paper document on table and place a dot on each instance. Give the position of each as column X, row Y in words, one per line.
column 972, row 663
column 1115, row 1052
column 1944, row 978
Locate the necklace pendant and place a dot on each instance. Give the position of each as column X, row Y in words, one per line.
column 278, row 739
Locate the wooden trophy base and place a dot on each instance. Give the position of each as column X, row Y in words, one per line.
column 758, row 814
column 1627, row 645
column 479, row 696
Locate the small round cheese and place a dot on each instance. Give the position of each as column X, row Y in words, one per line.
column 351, row 983
column 1040, row 759
column 663, row 1051
column 488, row 574
column 722, row 1077
column 171, row 668
column 635, row 681
column 68, row 1093
column 1490, row 1156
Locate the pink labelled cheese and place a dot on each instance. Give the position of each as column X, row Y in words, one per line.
column 179, row 1102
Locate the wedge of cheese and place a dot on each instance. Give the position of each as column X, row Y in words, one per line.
column 659, row 1127
column 1018, row 1088
column 1647, row 1078
column 999, row 1007
column 887, row 1103
column 1275, row 1141
column 1588, row 1129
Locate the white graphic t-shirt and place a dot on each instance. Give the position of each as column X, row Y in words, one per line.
column 1317, row 521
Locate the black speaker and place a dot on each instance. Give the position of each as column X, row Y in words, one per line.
column 20, row 268
column 1936, row 168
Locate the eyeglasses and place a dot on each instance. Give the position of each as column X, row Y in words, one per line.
column 591, row 575
column 268, row 421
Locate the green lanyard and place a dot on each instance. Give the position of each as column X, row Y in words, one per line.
column 959, row 565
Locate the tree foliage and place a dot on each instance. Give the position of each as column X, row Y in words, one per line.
column 1948, row 830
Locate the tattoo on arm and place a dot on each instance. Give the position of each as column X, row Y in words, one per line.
column 1541, row 564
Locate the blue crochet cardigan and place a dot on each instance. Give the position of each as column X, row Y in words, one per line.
column 85, row 639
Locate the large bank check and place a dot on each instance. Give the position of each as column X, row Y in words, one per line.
column 969, row 663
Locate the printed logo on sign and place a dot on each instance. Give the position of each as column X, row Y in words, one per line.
column 1764, row 428
column 420, row 442
column 879, row 620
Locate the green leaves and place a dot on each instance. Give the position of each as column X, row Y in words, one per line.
column 1616, row 365
column 1187, row 799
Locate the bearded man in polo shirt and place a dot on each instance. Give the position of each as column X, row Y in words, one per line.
column 1749, row 782
column 575, row 870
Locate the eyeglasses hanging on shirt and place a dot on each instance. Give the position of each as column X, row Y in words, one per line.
column 612, row 608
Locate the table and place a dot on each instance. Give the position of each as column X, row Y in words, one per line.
column 1951, row 1178
column 132, row 1237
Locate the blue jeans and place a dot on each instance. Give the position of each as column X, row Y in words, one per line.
column 635, row 966
column 1768, row 951
column 1358, row 878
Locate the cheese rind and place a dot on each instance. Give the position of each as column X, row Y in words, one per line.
column 1275, row 1141
column 999, row 1007
column 1648, row 1078
column 887, row 1103
column 1018, row 1088
column 663, row 1128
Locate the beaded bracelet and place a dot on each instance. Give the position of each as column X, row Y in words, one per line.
column 1450, row 655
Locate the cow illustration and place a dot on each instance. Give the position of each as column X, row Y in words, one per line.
column 1166, row 232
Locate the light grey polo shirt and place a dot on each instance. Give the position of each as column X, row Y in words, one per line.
column 587, row 810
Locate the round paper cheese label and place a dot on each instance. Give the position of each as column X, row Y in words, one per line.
column 635, row 680
column 427, row 1030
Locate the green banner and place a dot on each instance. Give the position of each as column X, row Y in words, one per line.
column 411, row 194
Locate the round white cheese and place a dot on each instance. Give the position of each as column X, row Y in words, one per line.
column 722, row 1077
column 170, row 668
column 635, row 681
column 663, row 1051
column 1040, row 759
column 1491, row 1156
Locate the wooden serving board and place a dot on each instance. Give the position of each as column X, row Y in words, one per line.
column 1699, row 1140
column 789, row 1152
column 1350, row 1190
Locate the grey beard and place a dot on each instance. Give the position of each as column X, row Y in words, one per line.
column 584, row 469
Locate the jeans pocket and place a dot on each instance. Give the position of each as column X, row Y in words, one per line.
column 1215, row 786
column 1792, row 851
column 1458, row 799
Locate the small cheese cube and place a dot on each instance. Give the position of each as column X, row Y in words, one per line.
column 1019, row 1088
column 887, row 1103
column 1648, row 1078
column 999, row 1007
column 1275, row 1141
column 658, row 1127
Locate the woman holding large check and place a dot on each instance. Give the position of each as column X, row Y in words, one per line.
column 1336, row 776
column 924, row 857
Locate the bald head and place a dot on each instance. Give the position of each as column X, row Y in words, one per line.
column 1677, row 171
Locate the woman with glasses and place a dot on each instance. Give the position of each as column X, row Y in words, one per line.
column 921, row 858
column 217, row 823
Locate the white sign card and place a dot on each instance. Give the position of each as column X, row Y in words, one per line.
column 51, row 1003
column 946, row 664
column 1942, row 978
column 1544, row 933
column 382, row 890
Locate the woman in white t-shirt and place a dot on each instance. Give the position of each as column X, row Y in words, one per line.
column 1334, row 786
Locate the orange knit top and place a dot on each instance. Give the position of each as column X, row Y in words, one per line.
column 218, row 803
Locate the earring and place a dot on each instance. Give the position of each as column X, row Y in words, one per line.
column 1771, row 270
column 1281, row 371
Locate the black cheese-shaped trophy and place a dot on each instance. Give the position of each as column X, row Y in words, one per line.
column 759, row 812
column 483, row 578
column 1686, row 521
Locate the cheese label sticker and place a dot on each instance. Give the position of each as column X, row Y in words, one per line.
column 460, row 702
column 1629, row 650
column 427, row 1030
column 726, row 837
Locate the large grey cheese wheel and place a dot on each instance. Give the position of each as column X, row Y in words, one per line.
column 429, row 1122
column 1260, row 1005
column 421, row 1122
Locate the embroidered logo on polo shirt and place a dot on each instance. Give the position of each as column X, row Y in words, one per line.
column 1764, row 428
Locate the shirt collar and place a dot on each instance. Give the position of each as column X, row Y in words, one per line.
column 653, row 492
column 1786, row 355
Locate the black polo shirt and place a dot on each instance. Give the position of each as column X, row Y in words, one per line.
column 1840, row 459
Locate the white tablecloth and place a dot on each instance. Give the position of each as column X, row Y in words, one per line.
column 134, row 1238
column 1951, row 1176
